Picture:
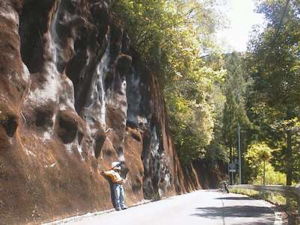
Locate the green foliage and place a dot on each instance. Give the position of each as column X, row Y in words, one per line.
column 171, row 36
column 230, row 102
column 256, row 157
column 272, row 177
column 274, row 98
column 235, row 92
column 208, row 96
column 258, row 153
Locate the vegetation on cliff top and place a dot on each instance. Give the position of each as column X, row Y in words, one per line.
column 173, row 37
column 208, row 94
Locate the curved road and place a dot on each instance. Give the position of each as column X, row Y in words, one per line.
column 197, row 208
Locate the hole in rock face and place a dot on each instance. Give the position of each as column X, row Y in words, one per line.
column 125, row 43
column 120, row 150
column 80, row 136
column 43, row 118
column 34, row 21
column 136, row 137
column 99, row 143
column 131, row 124
column 74, row 67
column 100, row 14
column 124, row 64
column 108, row 153
column 70, row 6
column 10, row 125
column 109, row 78
column 66, row 128
column 137, row 185
column 116, row 38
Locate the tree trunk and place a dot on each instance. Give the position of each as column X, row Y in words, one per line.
column 289, row 164
column 230, row 161
column 264, row 173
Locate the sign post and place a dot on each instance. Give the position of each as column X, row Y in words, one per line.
column 231, row 170
column 239, row 150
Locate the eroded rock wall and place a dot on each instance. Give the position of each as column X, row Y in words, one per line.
column 74, row 97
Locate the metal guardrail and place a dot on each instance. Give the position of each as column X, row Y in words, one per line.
column 286, row 190
column 276, row 188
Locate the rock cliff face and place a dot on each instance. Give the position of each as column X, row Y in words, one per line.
column 74, row 97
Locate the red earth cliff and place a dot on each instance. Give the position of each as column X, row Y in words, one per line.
column 75, row 97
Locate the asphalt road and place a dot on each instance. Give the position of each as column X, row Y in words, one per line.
column 197, row 208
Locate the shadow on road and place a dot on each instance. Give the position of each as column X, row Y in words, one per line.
column 233, row 211
column 235, row 198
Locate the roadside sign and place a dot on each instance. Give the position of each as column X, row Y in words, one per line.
column 232, row 167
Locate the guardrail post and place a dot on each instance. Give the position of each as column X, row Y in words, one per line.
column 298, row 202
column 298, row 213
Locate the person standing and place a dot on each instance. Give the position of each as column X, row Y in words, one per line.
column 117, row 185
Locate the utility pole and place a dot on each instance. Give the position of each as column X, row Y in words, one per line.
column 239, row 150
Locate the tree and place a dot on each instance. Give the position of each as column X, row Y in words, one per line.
column 171, row 36
column 257, row 156
column 235, row 91
column 274, row 63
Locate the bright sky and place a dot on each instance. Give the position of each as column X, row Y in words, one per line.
column 242, row 17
